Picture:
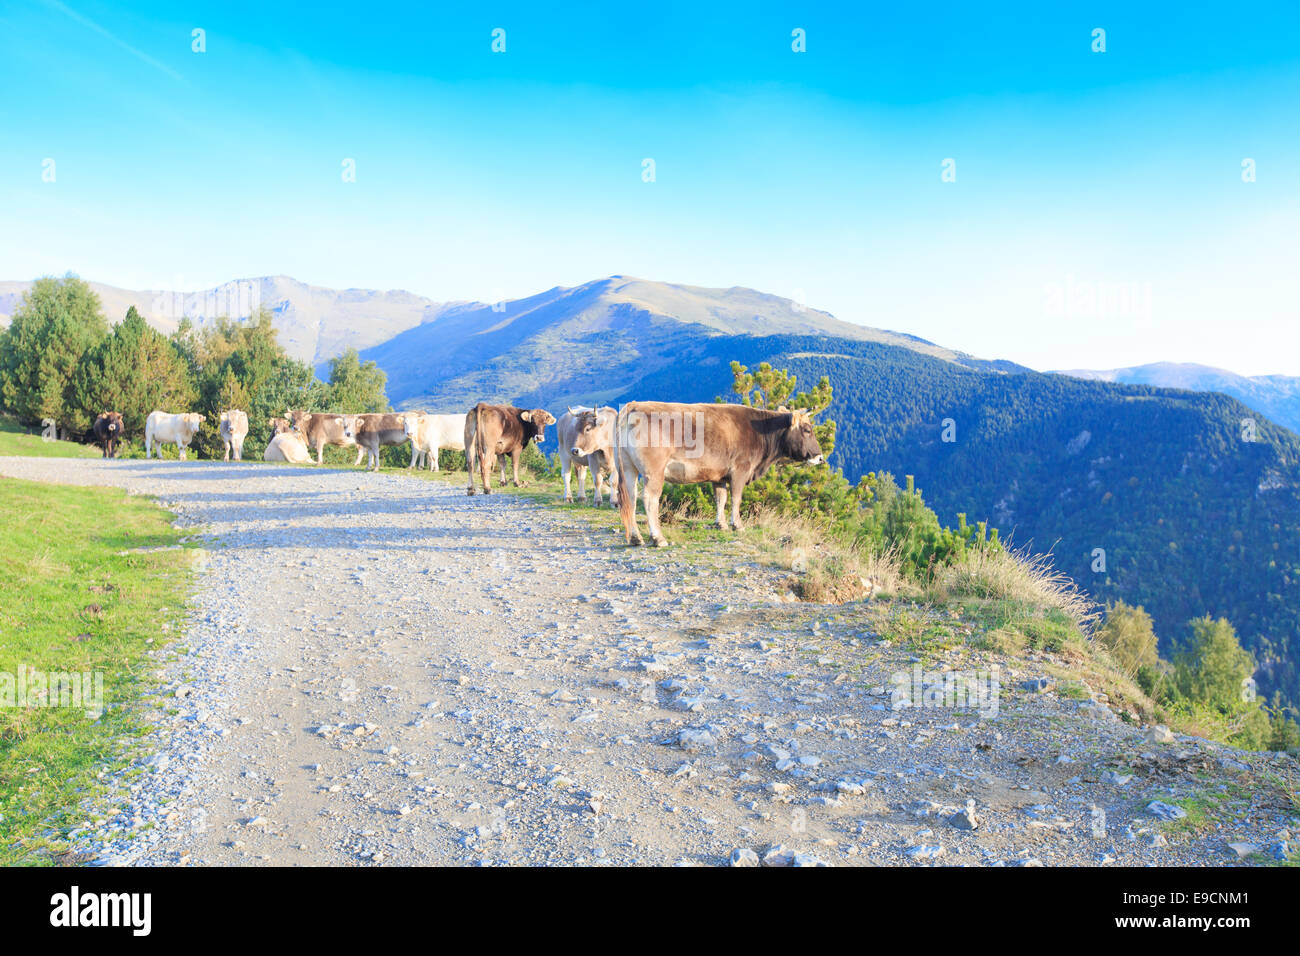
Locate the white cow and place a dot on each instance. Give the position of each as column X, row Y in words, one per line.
column 178, row 430
column 587, row 443
column 431, row 433
column 234, row 429
column 287, row 446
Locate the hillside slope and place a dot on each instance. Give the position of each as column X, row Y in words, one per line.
column 1192, row 519
column 1274, row 396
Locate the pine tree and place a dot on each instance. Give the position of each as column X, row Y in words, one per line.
column 134, row 370
column 56, row 323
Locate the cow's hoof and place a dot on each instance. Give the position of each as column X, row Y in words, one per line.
column 470, row 492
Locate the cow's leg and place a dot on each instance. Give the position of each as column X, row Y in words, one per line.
column 737, row 489
column 566, row 472
column 225, row 450
column 148, row 445
column 597, row 479
column 361, row 453
column 180, row 451
column 582, row 481
column 486, row 463
column 720, row 500
column 516, row 455
column 654, row 487
column 239, row 451
column 431, row 458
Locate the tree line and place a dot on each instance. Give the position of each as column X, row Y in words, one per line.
column 61, row 361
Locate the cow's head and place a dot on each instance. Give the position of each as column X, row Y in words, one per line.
column 411, row 423
column 799, row 443
column 537, row 419
column 193, row 420
column 349, row 424
column 587, row 433
column 112, row 422
column 279, row 426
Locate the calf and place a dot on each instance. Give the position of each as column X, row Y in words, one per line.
column 586, row 437
column 162, row 427
column 374, row 431
column 430, row 434
column 492, row 430
column 725, row 445
column 318, row 429
column 108, row 432
column 234, row 429
column 279, row 426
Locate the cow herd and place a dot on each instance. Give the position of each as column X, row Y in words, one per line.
column 726, row 446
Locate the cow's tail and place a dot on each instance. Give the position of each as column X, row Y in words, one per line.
column 472, row 430
column 626, row 478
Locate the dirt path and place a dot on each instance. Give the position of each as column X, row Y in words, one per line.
column 383, row 670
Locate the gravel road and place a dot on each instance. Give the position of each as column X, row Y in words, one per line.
column 383, row 670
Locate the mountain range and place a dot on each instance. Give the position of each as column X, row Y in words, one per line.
column 1154, row 495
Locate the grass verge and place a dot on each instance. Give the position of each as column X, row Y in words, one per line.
column 16, row 440
column 94, row 578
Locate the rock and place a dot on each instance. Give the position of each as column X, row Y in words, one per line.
column 807, row 859
column 693, row 739
column 778, row 855
column 1279, row 850
column 1165, row 811
column 1115, row 778
column 742, row 856
column 965, row 819
column 1243, row 850
column 926, row 852
column 1160, row 734
column 1038, row 685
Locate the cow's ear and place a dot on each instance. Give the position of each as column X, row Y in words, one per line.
column 782, row 409
column 338, row 421
column 526, row 416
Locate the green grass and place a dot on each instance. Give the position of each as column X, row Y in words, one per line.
column 75, row 604
column 16, row 440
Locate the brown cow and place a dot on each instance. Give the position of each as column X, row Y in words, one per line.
column 279, row 426
column 492, row 430
column 108, row 432
column 725, row 445
column 318, row 429
column 374, row 431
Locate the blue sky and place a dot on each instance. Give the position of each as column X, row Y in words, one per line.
column 1081, row 177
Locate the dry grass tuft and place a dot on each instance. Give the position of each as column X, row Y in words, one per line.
column 1022, row 577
